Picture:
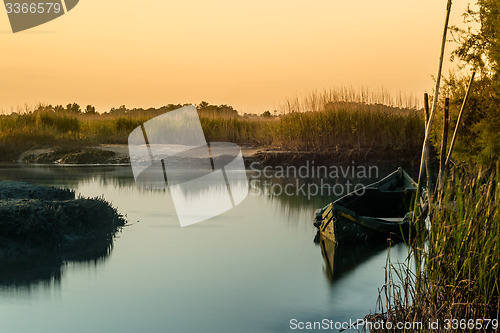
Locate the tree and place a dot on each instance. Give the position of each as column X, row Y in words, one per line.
column 203, row 105
column 90, row 110
column 266, row 114
column 58, row 108
column 73, row 108
column 479, row 48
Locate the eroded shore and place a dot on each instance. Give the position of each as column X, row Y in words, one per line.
column 34, row 217
column 259, row 156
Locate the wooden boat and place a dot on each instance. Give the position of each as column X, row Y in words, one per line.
column 373, row 212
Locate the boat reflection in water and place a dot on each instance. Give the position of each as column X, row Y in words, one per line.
column 344, row 258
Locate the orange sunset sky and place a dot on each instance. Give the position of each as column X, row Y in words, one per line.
column 251, row 54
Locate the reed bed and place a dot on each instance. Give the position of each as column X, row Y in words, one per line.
column 337, row 120
column 316, row 100
column 454, row 274
column 328, row 129
column 345, row 126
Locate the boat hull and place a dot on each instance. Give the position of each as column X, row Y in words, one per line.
column 376, row 212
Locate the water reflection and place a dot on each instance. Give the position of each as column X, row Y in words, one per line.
column 45, row 266
column 257, row 261
column 68, row 176
column 291, row 193
column 341, row 259
column 122, row 177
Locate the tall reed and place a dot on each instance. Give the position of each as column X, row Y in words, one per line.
column 317, row 100
column 337, row 122
column 456, row 268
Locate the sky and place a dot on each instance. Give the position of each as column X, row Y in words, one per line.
column 250, row 54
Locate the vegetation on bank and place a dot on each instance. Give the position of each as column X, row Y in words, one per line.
column 464, row 255
column 454, row 274
column 453, row 269
column 42, row 216
column 478, row 50
column 336, row 125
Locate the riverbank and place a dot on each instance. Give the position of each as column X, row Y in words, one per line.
column 34, row 217
column 101, row 154
column 336, row 133
column 118, row 154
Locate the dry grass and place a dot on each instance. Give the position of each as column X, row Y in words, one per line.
column 333, row 120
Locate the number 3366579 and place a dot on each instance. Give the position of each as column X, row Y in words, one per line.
column 33, row 8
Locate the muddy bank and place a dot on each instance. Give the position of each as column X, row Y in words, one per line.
column 118, row 154
column 34, row 217
column 389, row 159
column 85, row 155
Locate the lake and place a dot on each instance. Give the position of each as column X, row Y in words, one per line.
column 252, row 269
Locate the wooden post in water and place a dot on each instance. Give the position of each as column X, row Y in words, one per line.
column 426, row 108
column 444, row 141
column 424, row 161
column 428, row 167
column 427, row 140
column 446, row 164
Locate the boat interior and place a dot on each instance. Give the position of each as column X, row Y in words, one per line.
column 377, row 203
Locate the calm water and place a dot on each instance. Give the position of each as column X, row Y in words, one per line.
column 252, row 269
